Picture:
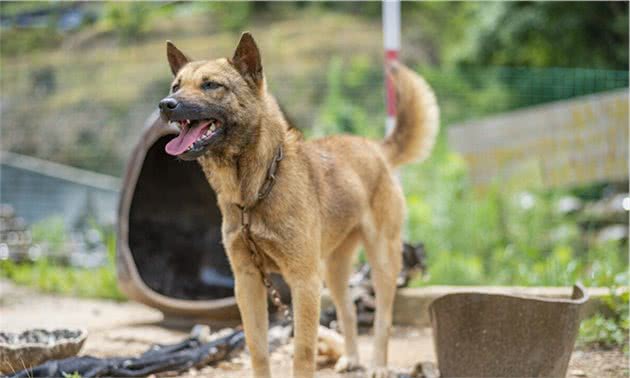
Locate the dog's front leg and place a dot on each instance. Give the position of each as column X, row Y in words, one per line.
column 305, row 294
column 251, row 297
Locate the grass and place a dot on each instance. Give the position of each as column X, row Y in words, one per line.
column 609, row 328
column 50, row 277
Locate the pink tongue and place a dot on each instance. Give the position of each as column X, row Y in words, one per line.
column 185, row 139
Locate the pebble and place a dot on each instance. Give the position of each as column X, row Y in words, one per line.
column 225, row 365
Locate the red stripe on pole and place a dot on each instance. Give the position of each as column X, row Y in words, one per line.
column 390, row 56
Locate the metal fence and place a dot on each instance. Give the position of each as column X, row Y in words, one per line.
column 90, row 114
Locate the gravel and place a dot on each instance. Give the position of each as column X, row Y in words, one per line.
column 122, row 329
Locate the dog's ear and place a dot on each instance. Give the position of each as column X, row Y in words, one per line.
column 176, row 58
column 247, row 60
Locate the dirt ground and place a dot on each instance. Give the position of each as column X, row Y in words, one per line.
column 127, row 329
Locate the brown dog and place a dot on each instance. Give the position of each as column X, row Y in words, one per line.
column 329, row 195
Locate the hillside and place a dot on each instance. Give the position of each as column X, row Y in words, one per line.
column 79, row 79
column 85, row 103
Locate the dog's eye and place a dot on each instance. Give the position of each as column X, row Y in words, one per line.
column 175, row 88
column 209, row 85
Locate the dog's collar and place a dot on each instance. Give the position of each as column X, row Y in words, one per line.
column 267, row 185
column 257, row 256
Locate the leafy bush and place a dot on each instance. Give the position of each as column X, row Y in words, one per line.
column 49, row 276
column 610, row 328
column 51, row 234
column 232, row 16
column 338, row 114
column 501, row 237
column 19, row 41
column 127, row 19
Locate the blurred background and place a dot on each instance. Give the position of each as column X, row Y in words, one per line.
column 528, row 184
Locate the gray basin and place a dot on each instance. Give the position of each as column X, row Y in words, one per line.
column 494, row 335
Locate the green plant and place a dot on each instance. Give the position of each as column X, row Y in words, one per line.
column 231, row 15
column 73, row 375
column 19, row 42
column 51, row 234
column 127, row 19
column 609, row 328
column 602, row 331
column 499, row 237
column 47, row 275
column 338, row 114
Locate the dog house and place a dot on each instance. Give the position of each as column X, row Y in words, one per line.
column 169, row 252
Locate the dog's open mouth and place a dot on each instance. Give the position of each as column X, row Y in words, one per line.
column 194, row 136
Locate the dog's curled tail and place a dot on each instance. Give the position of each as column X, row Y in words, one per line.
column 417, row 119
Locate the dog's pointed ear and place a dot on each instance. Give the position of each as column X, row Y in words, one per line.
column 176, row 58
column 247, row 60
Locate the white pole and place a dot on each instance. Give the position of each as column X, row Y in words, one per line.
column 391, row 40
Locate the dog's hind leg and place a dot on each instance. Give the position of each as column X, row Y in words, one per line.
column 337, row 273
column 382, row 240
column 385, row 261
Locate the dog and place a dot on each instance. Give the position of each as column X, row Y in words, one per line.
column 329, row 196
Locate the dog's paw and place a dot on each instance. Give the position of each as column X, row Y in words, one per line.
column 346, row 364
column 379, row 372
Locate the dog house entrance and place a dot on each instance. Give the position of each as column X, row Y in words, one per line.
column 175, row 230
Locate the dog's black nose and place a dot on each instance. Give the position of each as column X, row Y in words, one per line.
column 168, row 104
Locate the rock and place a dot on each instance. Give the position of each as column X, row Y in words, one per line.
column 279, row 335
column 330, row 345
column 425, row 370
column 608, row 209
column 615, row 232
column 228, row 365
column 577, row 373
column 201, row 332
column 569, row 204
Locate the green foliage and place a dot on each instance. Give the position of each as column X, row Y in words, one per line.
column 442, row 29
column 127, row 19
column 337, row 114
column 467, row 94
column 18, row 42
column 73, row 375
column 227, row 15
column 610, row 328
column 500, row 237
column 47, row 275
column 51, row 234
column 543, row 34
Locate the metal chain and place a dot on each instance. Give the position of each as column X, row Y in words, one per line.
column 257, row 256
